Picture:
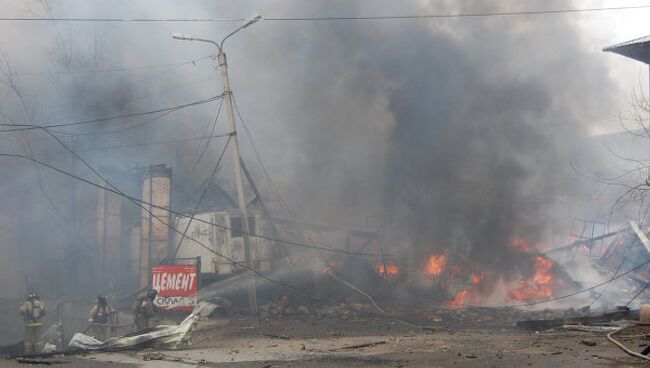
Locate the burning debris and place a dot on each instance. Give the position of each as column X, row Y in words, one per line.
column 447, row 281
column 435, row 265
column 539, row 285
column 458, row 166
column 387, row 270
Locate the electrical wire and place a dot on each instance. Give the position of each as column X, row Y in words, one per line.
column 98, row 120
column 207, row 144
column 207, row 183
column 615, row 273
column 173, row 228
column 134, row 125
column 12, row 155
column 149, row 97
column 110, row 70
column 135, row 145
column 209, row 179
column 458, row 15
column 139, row 82
column 639, row 293
column 268, row 178
column 328, row 270
column 381, row 310
column 178, row 214
column 336, row 18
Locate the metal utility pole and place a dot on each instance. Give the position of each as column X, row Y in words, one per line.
column 227, row 95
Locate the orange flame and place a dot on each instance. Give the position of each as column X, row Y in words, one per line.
column 522, row 245
column 537, row 286
column 435, row 265
column 459, row 299
column 476, row 277
column 388, row 270
column 330, row 266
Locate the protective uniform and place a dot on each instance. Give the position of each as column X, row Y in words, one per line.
column 99, row 317
column 144, row 310
column 33, row 311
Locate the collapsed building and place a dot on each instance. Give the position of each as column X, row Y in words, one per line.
column 171, row 229
column 130, row 239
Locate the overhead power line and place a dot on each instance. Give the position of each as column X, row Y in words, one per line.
column 141, row 144
column 22, row 127
column 461, row 15
column 206, row 188
column 337, row 18
column 207, row 144
column 171, row 227
column 208, row 180
column 313, row 242
column 121, row 129
column 110, row 70
column 142, row 203
column 179, row 214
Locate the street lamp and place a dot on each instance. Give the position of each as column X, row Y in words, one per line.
column 184, row 37
column 227, row 93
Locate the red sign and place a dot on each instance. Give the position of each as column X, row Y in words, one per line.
column 177, row 286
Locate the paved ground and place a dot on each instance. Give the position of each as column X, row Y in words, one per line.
column 327, row 343
column 444, row 349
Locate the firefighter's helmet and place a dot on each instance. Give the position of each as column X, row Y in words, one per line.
column 151, row 294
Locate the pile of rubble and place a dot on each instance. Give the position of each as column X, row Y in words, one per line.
column 285, row 308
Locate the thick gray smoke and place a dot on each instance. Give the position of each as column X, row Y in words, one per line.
column 464, row 128
column 456, row 134
column 479, row 154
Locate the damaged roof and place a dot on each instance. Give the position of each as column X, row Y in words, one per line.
column 637, row 49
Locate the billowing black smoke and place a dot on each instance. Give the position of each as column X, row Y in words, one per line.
column 475, row 161
column 455, row 133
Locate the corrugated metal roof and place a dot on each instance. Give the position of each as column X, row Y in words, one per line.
column 637, row 49
column 642, row 237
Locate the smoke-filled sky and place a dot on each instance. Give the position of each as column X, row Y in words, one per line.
column 455, row 133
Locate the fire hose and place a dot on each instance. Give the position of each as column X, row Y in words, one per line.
column 610, row 337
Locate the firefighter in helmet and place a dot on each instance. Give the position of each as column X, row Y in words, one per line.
column 99, row 317
column 144, row 310
column 33, row 311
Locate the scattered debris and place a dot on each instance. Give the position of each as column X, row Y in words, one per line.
column 160, row 356
column 304, row 310
column 366, row 345
column 540, row 324
column 172, row 337
column 153, row 356
column 597, row 329
column 588, row 342
column 281, row 337
column 41, row 361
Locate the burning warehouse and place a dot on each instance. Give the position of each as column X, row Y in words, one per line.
column 131, row 242
column 390, row 183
